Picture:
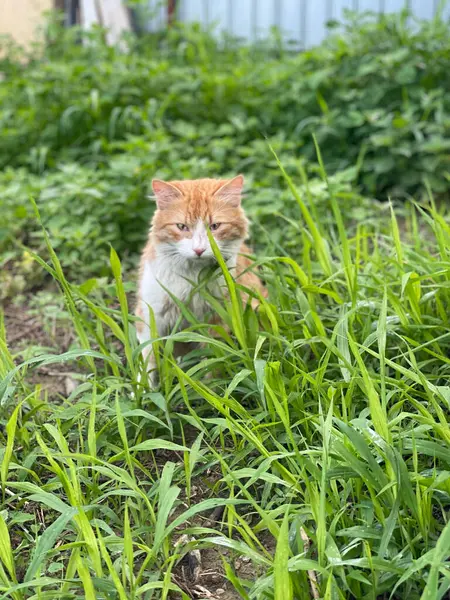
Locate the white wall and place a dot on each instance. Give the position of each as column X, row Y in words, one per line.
column 22, row 18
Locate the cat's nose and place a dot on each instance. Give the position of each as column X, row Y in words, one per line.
column 199, row 251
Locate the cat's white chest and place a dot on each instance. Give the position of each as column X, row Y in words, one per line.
column 158, row 279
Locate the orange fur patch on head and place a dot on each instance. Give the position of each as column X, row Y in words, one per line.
column 211, row 201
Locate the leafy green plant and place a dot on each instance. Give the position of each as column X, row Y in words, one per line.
column 86, row 126
column 376, row 85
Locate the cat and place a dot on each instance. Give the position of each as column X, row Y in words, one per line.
column 178, row 249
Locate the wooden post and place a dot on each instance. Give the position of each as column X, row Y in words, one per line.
column 171, row 11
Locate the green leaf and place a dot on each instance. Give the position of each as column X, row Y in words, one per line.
column 6, row 553
column 283, row 583
column 46, row 542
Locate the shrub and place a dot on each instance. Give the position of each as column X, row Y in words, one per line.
column 380, row 85
column 85, row 127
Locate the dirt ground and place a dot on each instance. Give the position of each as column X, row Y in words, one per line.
column 25, row 330
column 210, row 583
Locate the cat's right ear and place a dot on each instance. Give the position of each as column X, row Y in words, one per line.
column 165, row 193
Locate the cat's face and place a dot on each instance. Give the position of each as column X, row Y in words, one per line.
column 186, row 209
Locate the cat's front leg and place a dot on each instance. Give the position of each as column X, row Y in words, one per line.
column 144, row 335
column 150, row 366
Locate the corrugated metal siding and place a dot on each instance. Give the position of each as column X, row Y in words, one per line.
column 303, row 21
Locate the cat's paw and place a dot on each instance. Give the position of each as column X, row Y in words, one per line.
column 151, row 378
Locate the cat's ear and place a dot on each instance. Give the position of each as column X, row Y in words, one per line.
column 165, row 193
column 231, row 191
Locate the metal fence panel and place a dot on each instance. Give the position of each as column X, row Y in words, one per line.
column 424, row 10
column 158, row 15
column 301, row 21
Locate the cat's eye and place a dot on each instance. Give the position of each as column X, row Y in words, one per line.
column 182, row 227
column 214, row 226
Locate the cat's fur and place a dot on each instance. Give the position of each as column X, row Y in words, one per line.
column 174, row 256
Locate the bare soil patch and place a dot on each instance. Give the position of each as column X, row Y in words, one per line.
column 29, row 333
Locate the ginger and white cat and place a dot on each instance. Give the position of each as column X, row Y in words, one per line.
column 178, row 249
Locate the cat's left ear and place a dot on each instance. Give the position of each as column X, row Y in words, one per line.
column 231, row 191
column 165, row 193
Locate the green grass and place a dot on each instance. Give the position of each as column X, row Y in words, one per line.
column 328, row 414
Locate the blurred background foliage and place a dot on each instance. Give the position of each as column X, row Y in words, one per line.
column 86, row 126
